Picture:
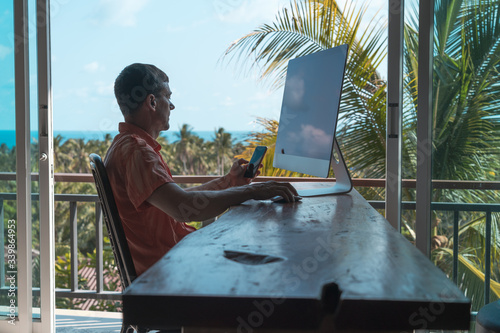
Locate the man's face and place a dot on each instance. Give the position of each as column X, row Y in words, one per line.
column 164, row 106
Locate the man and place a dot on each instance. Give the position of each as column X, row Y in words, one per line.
column 153, row 208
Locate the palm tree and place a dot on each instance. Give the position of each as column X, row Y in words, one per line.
column 191, row 150
column 465, row 135
column 223, row 144
column 185, row 146
column 98, row 146
column 465, row 90
column 310, row 26
column 199, row 160
column 77, row 151
column 61, row 159
column 466, row 71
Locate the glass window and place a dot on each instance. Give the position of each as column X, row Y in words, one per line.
column 464, row 145
column 7, row 161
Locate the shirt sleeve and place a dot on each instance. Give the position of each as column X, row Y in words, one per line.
column 145, row 172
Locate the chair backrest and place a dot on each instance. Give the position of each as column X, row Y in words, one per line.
column 114, row 225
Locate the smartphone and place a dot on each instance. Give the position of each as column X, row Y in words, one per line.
column 255, row 161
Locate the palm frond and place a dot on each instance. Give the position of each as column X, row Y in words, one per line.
column 304, row 28
column 309, row 26
column 266, row 137
column 471, row 280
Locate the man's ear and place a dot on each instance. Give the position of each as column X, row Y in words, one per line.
column 151, row 101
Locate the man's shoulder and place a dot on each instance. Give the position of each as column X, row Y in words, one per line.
column 129, row 142
column 126, row 146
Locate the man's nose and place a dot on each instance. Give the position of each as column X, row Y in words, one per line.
column 172, row 106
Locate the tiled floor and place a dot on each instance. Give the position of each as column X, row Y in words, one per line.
column 70, row 321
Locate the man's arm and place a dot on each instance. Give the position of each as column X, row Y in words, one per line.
column 217, row 184
column 233, row 178
column 188, row 206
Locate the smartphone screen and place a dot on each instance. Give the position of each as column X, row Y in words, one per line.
column 255, row 161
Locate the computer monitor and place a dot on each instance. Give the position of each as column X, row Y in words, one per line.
column 309, row 113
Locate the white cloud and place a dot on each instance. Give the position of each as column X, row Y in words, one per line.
column 105, row 89
column 182, row 28
column 176, row 93
column 228, row 101
column 82, row 92
column 191, row 108
column 92, row 67
column 372, row 7
column 118, row 12
column 261, row 96
column 4, row 51
column 238, row 11
column 173, row 29
column 374, row 10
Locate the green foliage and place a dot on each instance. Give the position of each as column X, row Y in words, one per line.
column 466, row 67
column 111, row 278
column 310, row 26
column 470, row 277
column 7, row 159
column 189, row 154
column 466, row 130
column 62, row 278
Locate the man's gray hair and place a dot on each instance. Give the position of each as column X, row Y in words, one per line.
column 135, row 83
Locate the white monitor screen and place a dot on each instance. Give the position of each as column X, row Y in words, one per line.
column 309, row 112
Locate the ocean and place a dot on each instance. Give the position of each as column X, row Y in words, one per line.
column 8, row 137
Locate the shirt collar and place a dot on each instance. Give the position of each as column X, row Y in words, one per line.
column 132, row 129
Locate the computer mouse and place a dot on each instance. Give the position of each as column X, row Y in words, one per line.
column 280, row 199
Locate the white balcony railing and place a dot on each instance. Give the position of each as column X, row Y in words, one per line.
column 100, row 293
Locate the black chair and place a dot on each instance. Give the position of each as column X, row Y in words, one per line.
column 116, row 234
column 488, row 318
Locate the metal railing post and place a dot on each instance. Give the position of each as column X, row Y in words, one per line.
column 99, row 248
column 455, row 246
column 73, row 245
column 487, row 259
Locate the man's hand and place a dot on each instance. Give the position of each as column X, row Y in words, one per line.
column 270, row 189
column 236, row 174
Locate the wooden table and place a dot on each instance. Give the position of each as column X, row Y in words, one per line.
column 326, row 262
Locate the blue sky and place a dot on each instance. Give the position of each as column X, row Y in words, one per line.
column 93, row 40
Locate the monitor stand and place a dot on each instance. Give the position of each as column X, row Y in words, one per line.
column 343, row 182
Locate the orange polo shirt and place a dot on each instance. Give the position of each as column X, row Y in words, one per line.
column 135, row 169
